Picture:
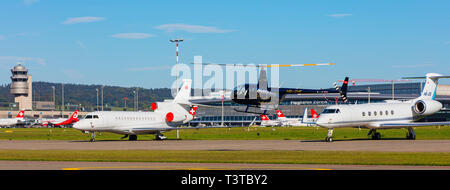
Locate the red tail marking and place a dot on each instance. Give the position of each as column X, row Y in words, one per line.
column 72, row 119
column 279, row 113
column 20, row 114
column 265, row 118
column 192, row 111
column 314, row 114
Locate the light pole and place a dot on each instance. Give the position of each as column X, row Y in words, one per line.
column 176, row 66
column 62, row 99
column 137, row 99
column 53, row 96
column 125, row 105
column 96, row 108
column 102, row 96
column 134, row 100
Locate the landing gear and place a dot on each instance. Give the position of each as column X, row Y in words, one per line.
column 160, row 136
column 328, row 138
column 124, row 137
column 133, row 138
column 375, row 134
column 92, row 137
column 411, row 134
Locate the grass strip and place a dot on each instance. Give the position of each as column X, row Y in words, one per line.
column 245, row 133
column 272, row 157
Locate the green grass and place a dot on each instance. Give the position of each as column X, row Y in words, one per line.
column 277, row 157
column 251, row 133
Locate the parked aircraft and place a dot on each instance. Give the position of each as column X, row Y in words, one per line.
column 388, row 115
column 13, row 121
column 265, row 121
column 282, row 120
column 167, row 115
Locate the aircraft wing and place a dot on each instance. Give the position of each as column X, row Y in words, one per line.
column 415, row 124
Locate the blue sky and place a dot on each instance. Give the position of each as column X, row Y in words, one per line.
column 126, row 43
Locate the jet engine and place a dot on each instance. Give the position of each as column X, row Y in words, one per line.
column 426, row 107
column 174, row 117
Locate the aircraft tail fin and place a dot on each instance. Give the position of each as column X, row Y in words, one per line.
column 193, row 111
column 305, row 116
column 429, row 90
column 280, row 115
column 343, row 89
column 20, row 114
column 265, row 118
column 74, row 116
column 185, row 92
column 314, row 114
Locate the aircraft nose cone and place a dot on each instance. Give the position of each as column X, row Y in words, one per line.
column 78, row 126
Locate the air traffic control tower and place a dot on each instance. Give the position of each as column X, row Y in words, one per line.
column 21, row 87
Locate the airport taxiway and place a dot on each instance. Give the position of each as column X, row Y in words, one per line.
column 229, row 145
column 218, row 145
column 63, row 165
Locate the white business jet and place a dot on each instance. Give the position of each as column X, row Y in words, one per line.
column 167, row 115
column 388, row 115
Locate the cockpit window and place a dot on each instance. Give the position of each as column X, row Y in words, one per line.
column 326, row 111
column 91, row 117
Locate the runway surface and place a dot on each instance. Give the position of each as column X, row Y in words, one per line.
column 223, row 145
column 57, row 165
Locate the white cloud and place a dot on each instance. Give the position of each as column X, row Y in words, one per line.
column 15, row 59
column 87, row 19
column 191, row 28
column 29, row 2
column 341, row 15
column 132, row 35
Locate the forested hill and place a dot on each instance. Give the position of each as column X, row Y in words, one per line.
column 86, row 95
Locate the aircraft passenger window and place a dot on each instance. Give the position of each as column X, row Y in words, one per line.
column 387, row 113
column 392, row 112
column 329, row 111
column 369, row 113
column 88, row 117
column 375, row 113
column 381, row 112
column 363, row 114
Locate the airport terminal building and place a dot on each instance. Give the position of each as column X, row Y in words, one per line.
column 294, row 105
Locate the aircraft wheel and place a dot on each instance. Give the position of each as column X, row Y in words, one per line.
column 376, row 136
column 328, row 139
column 132, row 138
column 410, row 137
